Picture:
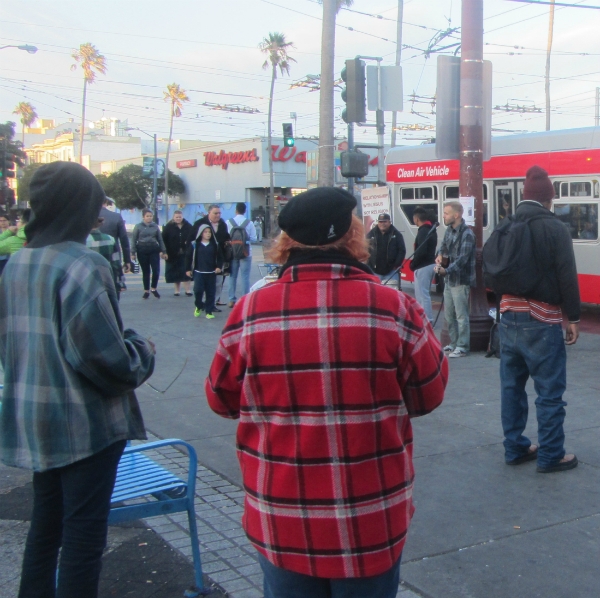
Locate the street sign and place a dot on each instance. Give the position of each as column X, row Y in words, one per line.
column 391, row 88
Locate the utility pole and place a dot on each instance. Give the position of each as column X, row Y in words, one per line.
column 548, row 53
column 471, row 154
column 597, row 115
column 155, row 184
column 398, row 58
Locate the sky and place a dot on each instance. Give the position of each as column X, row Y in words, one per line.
column 210, row 48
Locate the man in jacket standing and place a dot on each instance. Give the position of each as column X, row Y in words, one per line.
column 458, row 248
column 219, row 227
column 241, row 265
column 325, row 367
column 114, row 226
column 387, row 249
column 531, row 337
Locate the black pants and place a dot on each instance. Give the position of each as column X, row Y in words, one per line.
column 70, row 509
column 149, row 261
column 205, row 283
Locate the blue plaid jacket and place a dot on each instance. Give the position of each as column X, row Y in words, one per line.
column 69, row 367
column 459, row 245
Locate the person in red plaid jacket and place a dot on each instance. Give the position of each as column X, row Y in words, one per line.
column 325, row 367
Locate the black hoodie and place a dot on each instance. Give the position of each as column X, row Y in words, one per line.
column 65, row 202
column 554, row 253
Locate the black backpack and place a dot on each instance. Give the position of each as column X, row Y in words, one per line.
column 509, row 260
column 239, row 239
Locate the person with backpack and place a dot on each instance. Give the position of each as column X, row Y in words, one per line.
column 456, row 261
column 531, row 338
column 242, row 232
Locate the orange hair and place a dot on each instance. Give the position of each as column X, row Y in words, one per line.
column 353, row 243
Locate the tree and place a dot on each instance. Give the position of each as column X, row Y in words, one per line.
column 276, row 48
column 326, row 129
column 175, row 96
column 28, row 115
column 25, row 179
column 130, row 190
column 14, row 150
column 91, row 62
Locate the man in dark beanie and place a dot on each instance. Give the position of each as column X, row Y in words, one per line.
column 70, row 369
column 387, row 248
column 325, row 367
column 531, row 338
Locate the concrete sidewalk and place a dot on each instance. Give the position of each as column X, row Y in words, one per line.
column 481, row 529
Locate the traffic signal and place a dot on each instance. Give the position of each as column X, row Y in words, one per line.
column 288, row 135
column 353, row 75
column 354, row 164
column 8, row 169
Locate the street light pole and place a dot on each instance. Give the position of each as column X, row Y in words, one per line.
column 154, row 183
column 28, row 49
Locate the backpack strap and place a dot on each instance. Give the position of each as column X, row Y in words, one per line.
column 232, row 222
column 245, row 223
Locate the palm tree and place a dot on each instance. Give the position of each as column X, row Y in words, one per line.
column 175, row 96
column 276, row 48
column 28, row 115
column 91, row 62
column 326, row 136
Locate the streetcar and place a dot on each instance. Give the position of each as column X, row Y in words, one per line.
column 571, row 157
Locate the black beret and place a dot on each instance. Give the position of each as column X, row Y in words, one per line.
column 318, row 216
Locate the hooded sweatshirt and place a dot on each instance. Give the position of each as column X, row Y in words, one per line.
column 203, row 258
column 69, row 367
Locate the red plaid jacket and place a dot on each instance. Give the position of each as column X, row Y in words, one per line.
column 324, row 368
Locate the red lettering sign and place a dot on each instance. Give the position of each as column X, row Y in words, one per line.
column 187, row 164
column 224, row 159
column 287, row 153
column 423, row 171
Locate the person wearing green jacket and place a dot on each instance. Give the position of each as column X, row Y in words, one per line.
column 13, row 238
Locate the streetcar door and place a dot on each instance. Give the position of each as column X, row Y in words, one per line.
column 505, row 201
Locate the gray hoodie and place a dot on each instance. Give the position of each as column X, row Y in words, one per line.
column 147, row 236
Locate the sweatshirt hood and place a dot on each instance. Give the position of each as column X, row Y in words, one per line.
column 65, row 202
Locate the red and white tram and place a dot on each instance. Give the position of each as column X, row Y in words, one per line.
column 571, row 157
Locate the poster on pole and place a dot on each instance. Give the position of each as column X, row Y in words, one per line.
column 468, row 204
column 375, row 201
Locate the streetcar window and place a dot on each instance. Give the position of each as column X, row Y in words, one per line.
column 451, row 193
column 580, row 218
column 556, row 189
column 485, row 214
column 418, row 193
column 505, row 203
column 564, row 189
column 581, row 190
column 409, row 209
column 596, row 189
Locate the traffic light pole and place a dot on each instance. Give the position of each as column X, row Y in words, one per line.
column 350, row 148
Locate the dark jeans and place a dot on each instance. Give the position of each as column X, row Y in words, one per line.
column 205, row 283
column 281, row 583
column 149, row 261
column 70, row 509
column 529, row 347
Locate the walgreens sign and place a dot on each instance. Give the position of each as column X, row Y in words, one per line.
column 224, row 159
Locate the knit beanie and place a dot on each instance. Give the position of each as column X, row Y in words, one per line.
column 318, row 216
column 65, row 200
column 538, row 186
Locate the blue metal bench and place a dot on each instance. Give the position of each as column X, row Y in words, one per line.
column 139, row 477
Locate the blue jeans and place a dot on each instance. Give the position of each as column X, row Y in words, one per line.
column 241, row 267
column 70, row 509
column 456, row 311
column 281, row 583
column 423, row 278
column 529, row 347
column 205, row 283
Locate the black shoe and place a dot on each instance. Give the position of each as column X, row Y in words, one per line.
column 145, row 295
column 155, row 293
column 560, row 466
column 217, row 309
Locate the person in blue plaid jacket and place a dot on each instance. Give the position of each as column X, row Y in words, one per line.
column 68, row 405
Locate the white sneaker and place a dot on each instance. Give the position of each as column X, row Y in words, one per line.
column 458, row 353
column 448, row 349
